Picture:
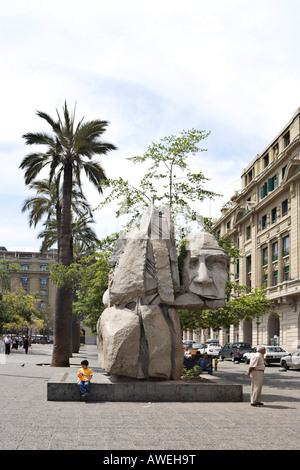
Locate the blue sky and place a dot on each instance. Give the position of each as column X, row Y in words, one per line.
column 151, row 69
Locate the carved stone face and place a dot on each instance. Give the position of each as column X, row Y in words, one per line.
column 205, row 270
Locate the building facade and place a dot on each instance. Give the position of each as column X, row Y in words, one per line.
column 263, row 221
column 33, row 275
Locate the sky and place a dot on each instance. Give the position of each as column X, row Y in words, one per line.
column 152, row 69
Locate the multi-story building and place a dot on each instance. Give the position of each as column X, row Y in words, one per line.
column 33, row 275
column 263, row 221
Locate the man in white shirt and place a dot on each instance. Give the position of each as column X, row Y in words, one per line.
column 7, row 341
column 256, row 372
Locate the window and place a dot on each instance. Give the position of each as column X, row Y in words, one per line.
column 263, row 190
column 248, row 232
column 248, row 268
column 228, row 225
column 266, row 160
column 286, row 246
column 286, row 274
column 237, row 269
column 275, row 251
column 284, row 208
column 5, row 286
column 286, row 139
column 250, row 175
column 25, row 281
column 266, row 280
column 273, row 182
column 273, row 215
column 43, row 293
column 275, row 278
column 248, row 263
column 43, row 267
column 44, row 281
column 264, row 222
column 24, row 266
column 265, row 256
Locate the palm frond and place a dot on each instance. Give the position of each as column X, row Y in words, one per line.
column 38, row 138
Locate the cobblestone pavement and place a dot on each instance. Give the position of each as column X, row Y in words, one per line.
column 30, row 422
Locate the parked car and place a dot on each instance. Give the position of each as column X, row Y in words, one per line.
column 212, row 348
column 188, row 343
column 234, row 351
column 273, row 354
column 291, row 361
column 197, row 346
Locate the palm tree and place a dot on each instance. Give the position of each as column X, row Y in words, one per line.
column 69, row 152
column 83, row 241
column 81, row 233
column 48, row 203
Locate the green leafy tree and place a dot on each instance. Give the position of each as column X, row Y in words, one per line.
column 18, row 312
column 68, row 153
column 89, row 278
column 169, row 180
column 247, row 306
column 47, row 205
column 7, row 267
column 81, row 232
column 83, row 240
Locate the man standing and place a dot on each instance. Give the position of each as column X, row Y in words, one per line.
column 26, row 344
column 7, row 341
column 256, row 372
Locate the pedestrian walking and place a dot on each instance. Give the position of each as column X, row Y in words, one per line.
column 256, row 372
column 7, row 342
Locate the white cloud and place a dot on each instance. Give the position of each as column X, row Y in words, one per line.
column 151, row 69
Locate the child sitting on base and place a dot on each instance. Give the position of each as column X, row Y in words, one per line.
column 84, row 377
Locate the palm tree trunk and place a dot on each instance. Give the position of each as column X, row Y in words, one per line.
column 58, row 225
column 62, row 328
column 75, row 333
column 63, row 306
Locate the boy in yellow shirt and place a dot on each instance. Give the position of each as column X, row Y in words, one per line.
column 84, row 377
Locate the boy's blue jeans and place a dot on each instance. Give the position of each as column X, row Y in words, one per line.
column 84, row 386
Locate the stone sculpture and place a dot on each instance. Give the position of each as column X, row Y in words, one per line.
column 139, row 334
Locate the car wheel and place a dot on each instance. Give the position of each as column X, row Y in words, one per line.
column 284, row 364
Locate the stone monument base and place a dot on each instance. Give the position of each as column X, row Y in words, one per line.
column 62, row 387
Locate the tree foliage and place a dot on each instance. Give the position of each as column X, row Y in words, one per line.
column 68, row 153
column 18, row 312
column 168, row 180
column 89, row 278
column 248, row 306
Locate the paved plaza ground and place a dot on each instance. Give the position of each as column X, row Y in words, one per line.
column 30, row 422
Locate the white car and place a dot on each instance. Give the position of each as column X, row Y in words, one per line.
column 212, row 349
column 291, row 361
column 273, row 354
column 188, row 343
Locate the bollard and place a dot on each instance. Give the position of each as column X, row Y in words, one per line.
column 216, row 363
